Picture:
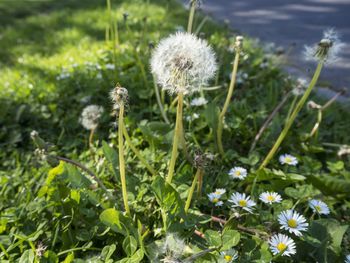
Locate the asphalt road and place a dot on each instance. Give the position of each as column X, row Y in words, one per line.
column 285, row 22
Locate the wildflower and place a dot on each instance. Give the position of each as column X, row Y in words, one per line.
column 173, row 248
column 199, row 101
column 300, row 88
column 288, row 159
column 214, row 198
column 220, row 191
column 119, row 95
column 240, row 200
column 280, row 242
column 347, row 260
column 183, row 63
column 327, row 49
column 90, row 116
column 292, row 221
column 202, row 160
column 99, row 76
column 65, row 74
column 192, row 117
column 238, row 172
column 270, row 197
column 110, row 66
column 319, row 207
column 230, row 255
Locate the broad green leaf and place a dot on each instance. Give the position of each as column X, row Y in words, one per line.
column 230, row 238
column 76, row 178
column 69, row 258
column 213, row 238
column 211, row 114
column 27, row 256
column 110, row 217
column 129, row 245
column 55, row 171
column 112, row 157
column 108, row 251
column 138, row 256
column 330, row 185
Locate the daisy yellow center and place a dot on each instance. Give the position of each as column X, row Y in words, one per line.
column 318, row 208
column 288, row 160
column 238, row 173
column 228, row 257
column 215, row 200
column 242, row 203
column 270, row 198
column 281, row 246
column 217, row 192
column 292, row 223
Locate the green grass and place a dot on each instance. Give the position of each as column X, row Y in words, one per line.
column 40, row 40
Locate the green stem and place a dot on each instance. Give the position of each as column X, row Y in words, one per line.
column 293, row 116
column 90, row 142
column 227, row 102
column 190, row 194
column 291, row 107
column 137, row 153
column 190, row 19
column 183, row 142
column 199, row 188
column 121, row 158
column 176, row 137
column 160, row 101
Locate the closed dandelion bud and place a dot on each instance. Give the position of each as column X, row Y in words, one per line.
column 313, row 105
column 119, row 95
column 239, row 42
column 40, row 143
column 125, row 16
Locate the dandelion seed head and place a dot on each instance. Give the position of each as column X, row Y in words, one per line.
column 183, row 63
column 90, row 116
column 327, row 50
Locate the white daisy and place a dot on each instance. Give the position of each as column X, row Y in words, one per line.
column 347, row 260
column 230, row 255
column 288, row 159
column 192, row 117
column 238, row 172
column 220, row 191
column 214, row 198
column 293, row 222
column 240, row 200
column 90, row 116
column 199, row 101
column 183, row 63
column 319, row 207
column 270, row 197
column 280, row 242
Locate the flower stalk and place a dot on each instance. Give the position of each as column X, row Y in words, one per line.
column 92, row 132
column 293, row 116
column 176, row 137
column 121, row 158
column 190, row 18
column 238, row 44
column 190, row 194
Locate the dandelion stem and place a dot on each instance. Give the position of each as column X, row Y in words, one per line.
column 121, row 158
column 199, row 188
column 190, row 194
column 317, row 124
column 183, row 142
column 291, row 107
column 227, row 102
column 159, row 101
column 176, row 137
column 190, row 18
column 257, row 137
column 137, row 153
column 293, row 116
column 90, row 141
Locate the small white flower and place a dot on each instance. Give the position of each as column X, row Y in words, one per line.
column 288, row 159
column 319, row 207
column 99, row 76
column 90, row 116
column 240, row 200
column 192, row 117
column 220, row 191
column 230, row 255
column 110, row 66
column 199, row 101
column 293, row 222
column 270, row 197
column 300, row 88
column 281, row 242
column 327, row 49
column 238, row 172
column 214, row 198
column 183, row 63
column 347, row 260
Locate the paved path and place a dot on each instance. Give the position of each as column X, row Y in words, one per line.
column 291, row 21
